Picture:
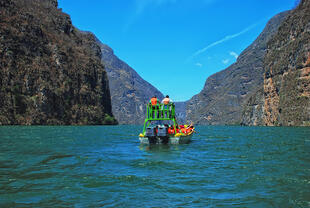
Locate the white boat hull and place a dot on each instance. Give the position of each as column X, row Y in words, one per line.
column 171, row 140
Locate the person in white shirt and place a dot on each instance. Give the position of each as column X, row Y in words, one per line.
column 166, row 101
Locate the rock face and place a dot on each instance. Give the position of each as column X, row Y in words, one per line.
column 180, row 111
column 50, row 73
column 253, row 111
column 224, row 94
column 129, row 92
column 286, row 86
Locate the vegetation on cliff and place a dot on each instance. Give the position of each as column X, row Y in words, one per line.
column 50, row 73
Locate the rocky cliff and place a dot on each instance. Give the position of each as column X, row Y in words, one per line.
column 222, row 99
column 286, row 87
column 180, row 111
column 253, row 110
column 50, row 73
column 129, row 92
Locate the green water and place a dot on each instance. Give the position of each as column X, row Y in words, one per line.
column 105, row 166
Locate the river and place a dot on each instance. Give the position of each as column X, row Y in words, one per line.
column 105, row 166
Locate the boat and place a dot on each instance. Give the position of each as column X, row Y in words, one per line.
column 161, row 126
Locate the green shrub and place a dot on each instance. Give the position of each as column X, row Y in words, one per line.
column 109, row 120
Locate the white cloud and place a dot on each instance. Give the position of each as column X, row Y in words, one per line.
column 227, row 38
column 234, row 54
column 198, row 64
column 225, row 61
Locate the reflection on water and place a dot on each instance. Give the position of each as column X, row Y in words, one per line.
column 159, row 147
column 95, row 166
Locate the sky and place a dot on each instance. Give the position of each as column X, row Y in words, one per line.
column 175, row 44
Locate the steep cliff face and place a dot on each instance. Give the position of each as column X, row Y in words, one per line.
column 50, row 73
column 253, row 110
column 284, row 97
column 224, row 94
column 129, row 92
column 287, row 71
column 180, row 111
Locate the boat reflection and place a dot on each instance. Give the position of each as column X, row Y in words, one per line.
column 159, row 147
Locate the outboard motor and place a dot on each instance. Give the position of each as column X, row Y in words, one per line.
column 150, row 133
column 163, row 134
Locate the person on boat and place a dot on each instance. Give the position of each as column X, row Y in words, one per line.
column 166, row 101
column 154, row 102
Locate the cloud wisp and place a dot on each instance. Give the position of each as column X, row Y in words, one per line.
column 227, row 38
column 225, row 61
column 141, row 5
column 198, row 64
column 234, row 54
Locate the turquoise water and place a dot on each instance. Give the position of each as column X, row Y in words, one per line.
column 94, row 166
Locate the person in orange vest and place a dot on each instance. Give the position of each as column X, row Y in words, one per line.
column 166, row 101
column 154, row 102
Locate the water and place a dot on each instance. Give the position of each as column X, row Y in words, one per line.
column 105, row 166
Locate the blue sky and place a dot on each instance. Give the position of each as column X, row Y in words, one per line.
column 175, row 44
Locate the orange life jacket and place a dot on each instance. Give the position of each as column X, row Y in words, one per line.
column 186, row 130
column 154, row 101
column 166, row 101
column 183, row 130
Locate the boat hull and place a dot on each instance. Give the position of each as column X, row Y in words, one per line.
column 182, row 139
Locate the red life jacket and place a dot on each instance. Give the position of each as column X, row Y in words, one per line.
column 154, row 101
column 170, row 130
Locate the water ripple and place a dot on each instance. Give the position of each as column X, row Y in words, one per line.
column 95, row 166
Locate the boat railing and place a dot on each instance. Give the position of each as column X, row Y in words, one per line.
column 160, row 111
